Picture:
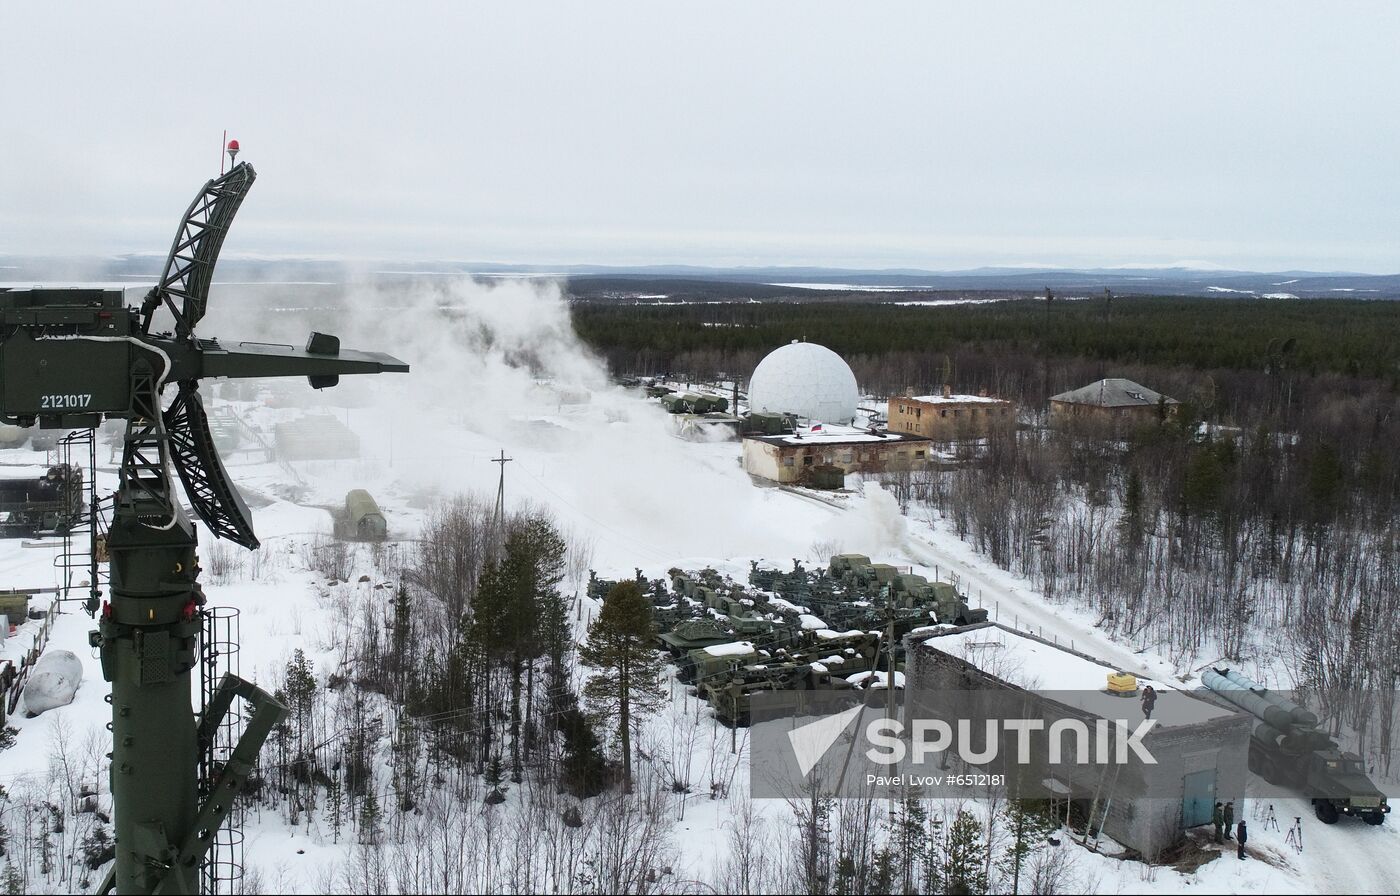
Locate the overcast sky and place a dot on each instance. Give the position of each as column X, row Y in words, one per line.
column 934, row 135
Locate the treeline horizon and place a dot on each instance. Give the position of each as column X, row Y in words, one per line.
column 1326, row 372
column 1359, row 339
column 1256, row 522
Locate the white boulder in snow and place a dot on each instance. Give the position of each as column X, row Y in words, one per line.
column 53, row 682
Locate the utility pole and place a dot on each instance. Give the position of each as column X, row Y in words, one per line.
column 500, row 519
column 889, row 652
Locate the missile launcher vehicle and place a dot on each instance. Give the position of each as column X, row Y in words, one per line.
column 1287, row 747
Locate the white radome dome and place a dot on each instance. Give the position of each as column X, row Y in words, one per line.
column 807, row 380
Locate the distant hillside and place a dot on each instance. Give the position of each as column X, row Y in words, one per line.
column 693, row 283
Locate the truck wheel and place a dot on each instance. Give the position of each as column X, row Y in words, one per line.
column 1268, row 770
column 1326, row 812
column 1376, row 819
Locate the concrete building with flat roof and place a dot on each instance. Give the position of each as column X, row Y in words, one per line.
column 793, row 457
column 948, row 416
column 1200, row 748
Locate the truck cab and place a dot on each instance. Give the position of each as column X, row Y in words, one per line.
column 1338, row 785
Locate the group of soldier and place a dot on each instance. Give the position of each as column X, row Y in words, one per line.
column 1224, row 819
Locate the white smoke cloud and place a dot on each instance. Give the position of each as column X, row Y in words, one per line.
column 874, row 526
column 497, row 366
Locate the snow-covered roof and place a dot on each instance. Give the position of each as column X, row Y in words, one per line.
column 831, row 434
column 1065, row 676
column 1114, row 392
column 954, row 399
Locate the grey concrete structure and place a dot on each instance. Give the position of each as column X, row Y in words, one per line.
column 1200, row 747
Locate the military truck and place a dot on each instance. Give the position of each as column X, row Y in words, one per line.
column 14, row 605
column 949, row 606
column 677, row 402
column 704, row 664
column 597, row 588
column 844, row 563
column 731, row 697
column 822, row 661
column 709, row 404
column 694, row 634
column 52, row 502
column 363, row 519
column 856, row 572
column 767, row 424
column 1287, row 747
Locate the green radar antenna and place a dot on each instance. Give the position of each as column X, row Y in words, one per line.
column 70, row 358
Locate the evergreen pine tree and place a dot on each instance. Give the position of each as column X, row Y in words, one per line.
column 335, row 805
column 964, row 854
column 300, row 691
column 98, row 847
column 1028, row 822
column 883, row 877
column 494, row 775
column 405, row 780
column 14, row 881
column 933, row 865
column 845, row 875
column 400, row 643
column 907, row 823
column 583, row 769
column 369, row 819
column 626, row 682
column 518, row 615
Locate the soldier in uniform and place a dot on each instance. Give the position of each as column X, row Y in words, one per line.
column 1217, row 818
column 1229, row 818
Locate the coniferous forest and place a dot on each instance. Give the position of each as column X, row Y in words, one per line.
column 1258, row 523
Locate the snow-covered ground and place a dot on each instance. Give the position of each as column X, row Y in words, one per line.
column 608, row 469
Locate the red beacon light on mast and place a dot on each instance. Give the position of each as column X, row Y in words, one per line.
column 232, row 152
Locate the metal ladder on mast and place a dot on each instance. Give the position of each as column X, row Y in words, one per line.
column 85, row 536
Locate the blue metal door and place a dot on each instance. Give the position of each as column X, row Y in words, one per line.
column 1198, row 799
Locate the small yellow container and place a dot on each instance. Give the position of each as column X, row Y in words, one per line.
column 1122, row 684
